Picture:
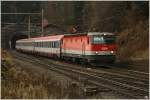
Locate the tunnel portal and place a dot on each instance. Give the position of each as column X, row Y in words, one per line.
column 16, row 37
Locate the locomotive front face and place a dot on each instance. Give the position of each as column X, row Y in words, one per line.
column 103, row 48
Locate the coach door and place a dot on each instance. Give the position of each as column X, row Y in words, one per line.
column 60, row 46
column 34, row 44
column 83, row 49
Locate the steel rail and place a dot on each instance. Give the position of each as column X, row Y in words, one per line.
column 95, row 77
column 106, row 73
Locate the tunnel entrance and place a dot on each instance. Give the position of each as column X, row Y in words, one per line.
column 16, row 37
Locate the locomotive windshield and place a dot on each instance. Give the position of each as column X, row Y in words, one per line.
column 103, row 39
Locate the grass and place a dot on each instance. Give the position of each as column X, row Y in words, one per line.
column 19, row 84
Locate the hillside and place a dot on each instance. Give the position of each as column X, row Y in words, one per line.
column 127, row 19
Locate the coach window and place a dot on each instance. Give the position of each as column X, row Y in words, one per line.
column 50, row 44
column 56, row 44
column 38, row 44
column 45, row 44
column 42, row 44
column 53, row 44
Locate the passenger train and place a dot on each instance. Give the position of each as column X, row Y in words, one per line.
column 83, row 47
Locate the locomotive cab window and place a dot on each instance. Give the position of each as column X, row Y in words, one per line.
column 103, row 39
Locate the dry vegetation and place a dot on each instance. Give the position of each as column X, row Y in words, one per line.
column 20, row 84
column 133, row 41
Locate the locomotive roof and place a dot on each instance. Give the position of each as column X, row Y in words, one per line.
column 89, row 33
column 100, row 33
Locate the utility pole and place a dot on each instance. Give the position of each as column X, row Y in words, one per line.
column 29, row 23
column 29, row 28
column 42, row 22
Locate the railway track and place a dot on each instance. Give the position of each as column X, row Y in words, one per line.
column 128, row 72
column 123, row 84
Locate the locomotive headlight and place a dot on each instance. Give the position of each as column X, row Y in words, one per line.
column 96, row 52
column 112, row 51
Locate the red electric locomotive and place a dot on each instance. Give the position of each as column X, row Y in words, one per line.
column 90, row 47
